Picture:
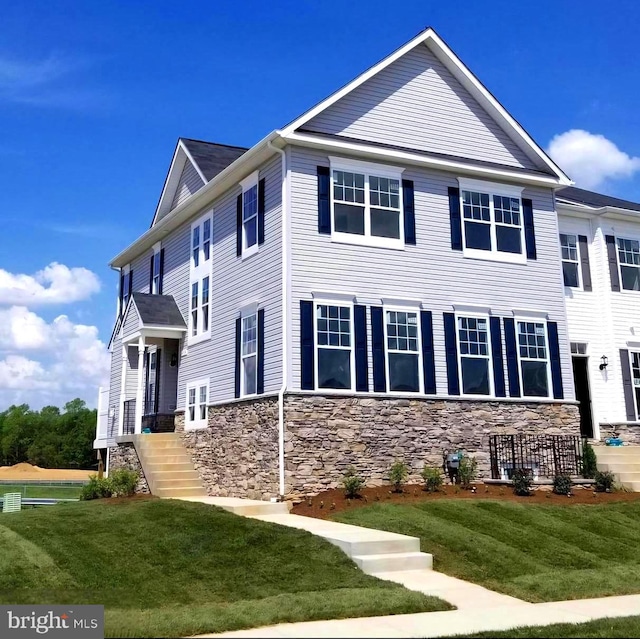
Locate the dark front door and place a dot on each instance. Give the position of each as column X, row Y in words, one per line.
column 583, row 394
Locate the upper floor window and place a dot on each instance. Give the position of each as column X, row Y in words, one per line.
column 629, row 258
column 570, row 261
column 366, row 203
column 155, row 287
column 249, row 355
column 250, row 214
column 475, row 355
column 196, row 409
column 126, row 284
column 200, row 279
column 403, row 351
column 492, row 221
column 334, row 346
column 534, row 358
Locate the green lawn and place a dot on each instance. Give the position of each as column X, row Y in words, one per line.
column 166, row 568
column 42, row 491
column 620, row 627
column 533, row 552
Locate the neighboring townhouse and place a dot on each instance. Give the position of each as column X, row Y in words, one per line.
column 379, row 279
column 600, row 244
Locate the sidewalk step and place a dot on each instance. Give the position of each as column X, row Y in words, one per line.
column 164, row 466
column 176, row 475
column 371, row 564
column 160, row 483
column 168, row 493
column 165, row 459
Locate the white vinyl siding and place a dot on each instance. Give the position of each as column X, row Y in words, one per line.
column 189, row 183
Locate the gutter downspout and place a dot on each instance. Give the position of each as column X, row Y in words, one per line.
column 285, row 307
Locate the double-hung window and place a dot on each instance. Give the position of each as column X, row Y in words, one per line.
column 249, row 356
column 474, row 348
column 533, row 354
column 200, row 280
column 629, row 258
column 334, row 345
column 570, row 261
column 404, row 371
column 197, row 399
column 155, row 271
column 492, row 221
column 635, row 376
column 126, row 286
column 250, row 214
column 366, row 203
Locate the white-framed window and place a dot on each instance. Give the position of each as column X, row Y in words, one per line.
column 125, row 286
column 492, row 221
column 250, row 214
column 333, row 332
column 196, row 404
column 403, row 349
column 578, row 348
column 629, row 262
column 155, row 272
column 533, row 356
column 200, row 280
column 570, row 259
column 474, row 354
column 366, row 203
column 634, row 357
column 249, row 356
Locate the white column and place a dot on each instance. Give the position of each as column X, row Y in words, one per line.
column 140, row 390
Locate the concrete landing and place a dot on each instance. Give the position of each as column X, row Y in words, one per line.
column 244, row 507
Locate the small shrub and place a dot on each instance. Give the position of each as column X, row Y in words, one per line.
column 123, row 482
column 589, row 468
column 605, row 481
column 97, row 488
column 467, row 471
column 432, row 478
column 562, row 485
column 522, row 481
column 397, row 475
column 352, row 483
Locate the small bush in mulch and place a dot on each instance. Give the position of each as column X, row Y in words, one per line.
column 432, row 479
column 522, row 481
column 605, row 481
column 398, row 474
column 562, row 485
column 353, row 483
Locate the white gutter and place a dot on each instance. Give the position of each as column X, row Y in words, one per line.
column 285, row 307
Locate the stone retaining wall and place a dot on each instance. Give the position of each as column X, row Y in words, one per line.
column 326, row 434
column 125, row 456
column 629, row 433
column 237, row 454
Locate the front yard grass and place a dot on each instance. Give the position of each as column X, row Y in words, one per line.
column 533, row 552
column 166, row 568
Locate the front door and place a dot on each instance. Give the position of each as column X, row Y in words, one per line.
column 583, row 394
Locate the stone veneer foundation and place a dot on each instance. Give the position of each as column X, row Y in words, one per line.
column 628, row 433
column 125, row 456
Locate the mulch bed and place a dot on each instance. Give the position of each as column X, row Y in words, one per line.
column 333, row 501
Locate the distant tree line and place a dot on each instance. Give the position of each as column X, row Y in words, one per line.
column 49, row 438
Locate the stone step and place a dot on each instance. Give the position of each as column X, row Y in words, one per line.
column 177, row 493
column 393, row 562
column 166, row 466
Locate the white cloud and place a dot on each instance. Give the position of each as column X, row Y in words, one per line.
column 591, row 159
column 54, row 284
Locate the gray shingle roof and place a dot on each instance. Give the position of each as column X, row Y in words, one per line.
column 212, row 158
column 596, row 200
column 158, row 310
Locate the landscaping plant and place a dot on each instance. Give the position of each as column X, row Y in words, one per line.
column 467, row 471
column 562, row 485
column 522, row 481
column 432, row 478
column 589, row 468
column 123, row 482
column 398, row 475
column 605, row 481
column 352, row 483
column 96, row 488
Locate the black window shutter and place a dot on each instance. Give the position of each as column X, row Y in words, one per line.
column 529, row 229
column 512, row 356
column 451, row 351
column 151, row 274
column 454, row 216
column 584, row 263
column 307, row 375
column 362, row 364
column 121, row 292
column 627, row 385
column 324, row 209
column 130, row 282
column 238, row 344
column 260, row 383
column 409, row 212
column 239, row 225
column 261, row 211
column 612, row 254
column 496, row 356
column 377, row 337
column 161, row 272
column 428, row 360
column 554, row 353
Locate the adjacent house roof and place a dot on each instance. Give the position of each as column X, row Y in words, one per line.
column 574, row 195
column 158, row 310
column 212, row 158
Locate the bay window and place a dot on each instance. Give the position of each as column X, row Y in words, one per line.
column 334, row 346
column 533, row 354
column 475, row 355
column 403, row 351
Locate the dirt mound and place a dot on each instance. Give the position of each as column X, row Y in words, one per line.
column 25, row 471
column 22, row 467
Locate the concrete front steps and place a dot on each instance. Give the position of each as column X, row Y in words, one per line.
column 167, row 466
column 623, row 462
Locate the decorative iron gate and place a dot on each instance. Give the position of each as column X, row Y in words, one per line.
column 129, row 417
column 543, row 456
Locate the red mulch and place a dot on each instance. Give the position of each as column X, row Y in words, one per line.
column 333, row 501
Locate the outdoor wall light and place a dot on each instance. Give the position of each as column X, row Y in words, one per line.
column 604, row 362
column 174, row 360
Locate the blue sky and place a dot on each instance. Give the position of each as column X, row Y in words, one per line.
column 93, row 96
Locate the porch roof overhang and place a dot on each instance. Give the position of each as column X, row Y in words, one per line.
column 156, row 317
